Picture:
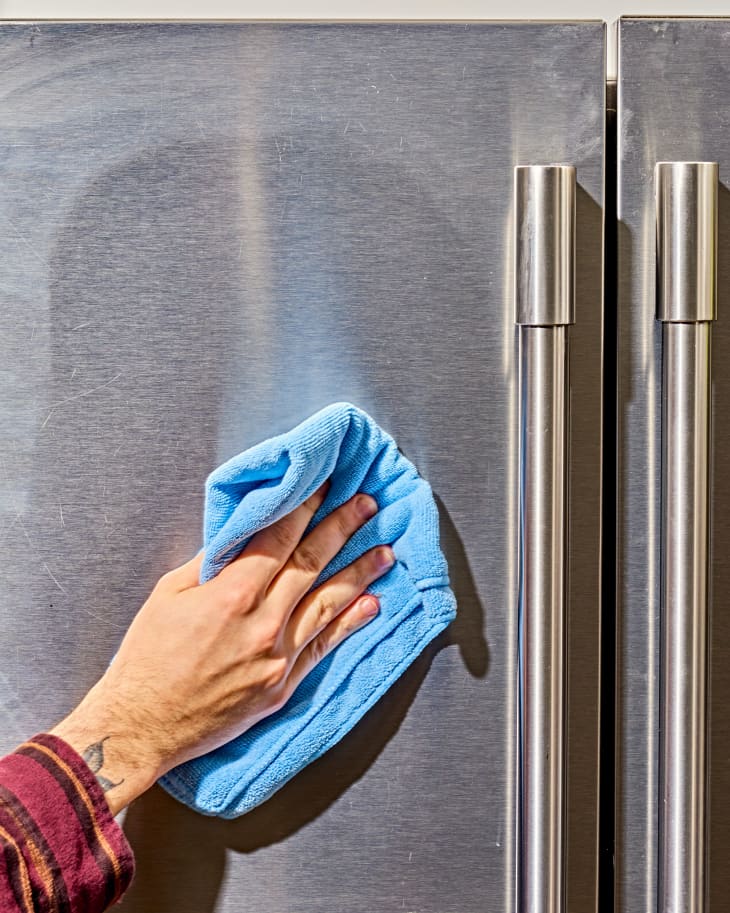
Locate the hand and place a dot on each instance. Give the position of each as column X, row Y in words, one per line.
column 201, row 664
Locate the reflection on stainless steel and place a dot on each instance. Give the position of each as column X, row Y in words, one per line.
column 544, row 282
column 207, row 232
column 686, row 223
column 545, row 245
column 686, row 417
column 686, row 205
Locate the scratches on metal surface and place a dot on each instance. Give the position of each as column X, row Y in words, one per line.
column 76, row 396
column 106, row 621
column 54, row 578
column 354, row 124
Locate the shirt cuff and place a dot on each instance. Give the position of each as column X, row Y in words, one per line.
column 52, row 808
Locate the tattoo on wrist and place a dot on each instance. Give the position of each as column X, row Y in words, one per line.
column 94, row 757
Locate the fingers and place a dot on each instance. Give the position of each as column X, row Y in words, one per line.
column 316, row 550
column 269, row 550
column 353, row 618
column 319, row 609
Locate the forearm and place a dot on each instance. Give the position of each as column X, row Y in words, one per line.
column 114, row 747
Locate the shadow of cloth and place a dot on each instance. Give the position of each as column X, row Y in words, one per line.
column 181, row 855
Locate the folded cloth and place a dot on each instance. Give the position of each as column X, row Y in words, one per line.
column 252, row 491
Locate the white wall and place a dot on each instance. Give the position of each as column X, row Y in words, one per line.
column 357, row 9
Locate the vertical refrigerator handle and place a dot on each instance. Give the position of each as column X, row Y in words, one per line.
column 686, row 221
column 544, row 299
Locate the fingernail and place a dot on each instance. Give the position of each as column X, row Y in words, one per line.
column 370, row 606
column 386, row 557
column 366, row 506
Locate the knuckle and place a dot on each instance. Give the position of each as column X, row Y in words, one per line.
column 316, row 650
column 240, row 595
column 228, row 602
column 347, row 521
column 324, row 610
column 267, row 636
column 167, row 580
column 275, row 673
column 307, row 560
column 319, row 648
column 365, row 569
column 285, row 692
column 282, row 534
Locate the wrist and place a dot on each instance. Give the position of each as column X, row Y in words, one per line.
column 123, row 762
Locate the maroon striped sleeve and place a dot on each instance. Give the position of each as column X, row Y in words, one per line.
column 61, row 851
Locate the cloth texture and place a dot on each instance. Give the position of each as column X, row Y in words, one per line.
column 60, row 848
column 252, row 491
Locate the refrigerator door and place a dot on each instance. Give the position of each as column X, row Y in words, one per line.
column 207, row 232
column 673, row 735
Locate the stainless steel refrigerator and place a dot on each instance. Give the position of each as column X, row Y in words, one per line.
column 209, row 231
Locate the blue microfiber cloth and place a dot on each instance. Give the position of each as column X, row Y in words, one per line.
column 257, row 488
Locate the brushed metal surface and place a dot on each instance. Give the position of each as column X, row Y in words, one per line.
column 685, row 512
column 206, row 233
column 543, row 516
column 658, row 124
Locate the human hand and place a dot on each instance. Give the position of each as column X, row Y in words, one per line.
column 201, row 664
